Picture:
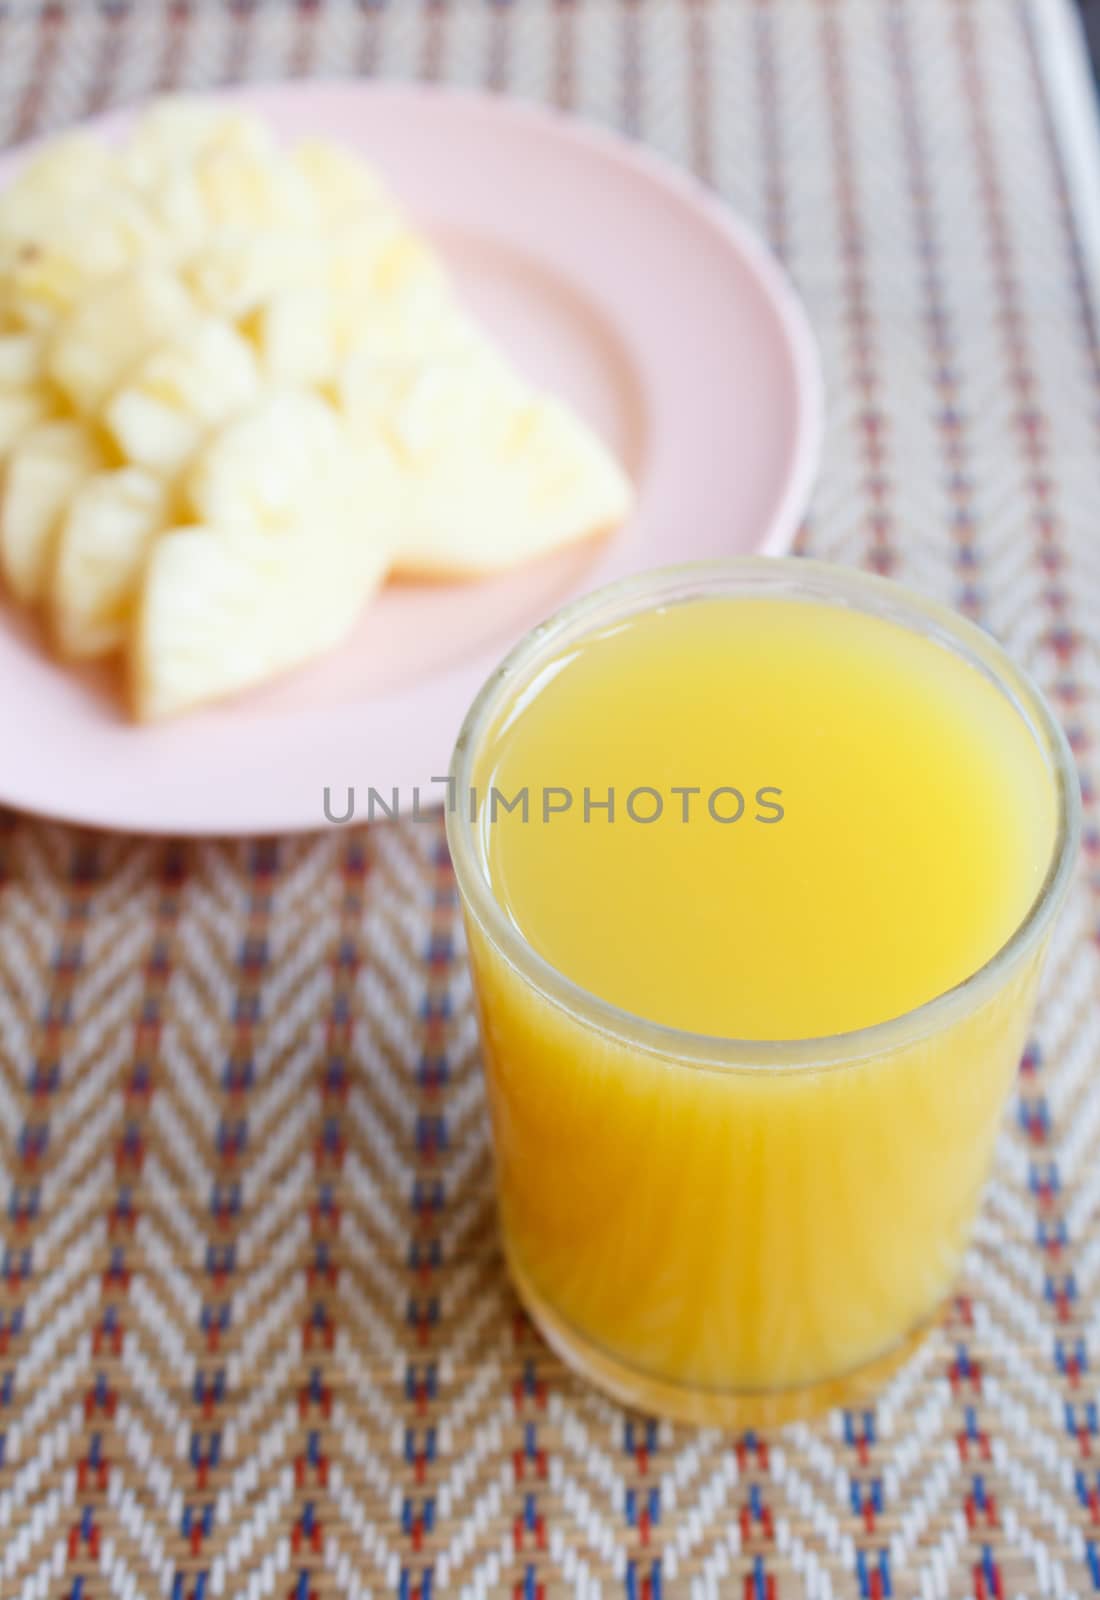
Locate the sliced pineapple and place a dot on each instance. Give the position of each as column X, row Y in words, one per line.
column 66, row 172
column 42, row 283
column 275, row 467
column 342, row 187
column 237, row 269
column 245, row 189
column 177, row 130
column 105, row 539
column 400, row 381
column 170, row 316
column 124, row 231
column 21, row 360
column 374, row 279
column 386, row 286
column 20, row 410
column 202, row 169
column 44, row 276
column 221, row 613
column 45, row 468
column 112, row 328
column 177, row 212
column 296, row 531
column 295, row 336
column 180, row 391
column 492, row 473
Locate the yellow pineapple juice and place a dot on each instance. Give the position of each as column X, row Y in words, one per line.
column 758, row 863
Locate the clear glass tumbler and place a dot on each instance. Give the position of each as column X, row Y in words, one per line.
column 722, row 1230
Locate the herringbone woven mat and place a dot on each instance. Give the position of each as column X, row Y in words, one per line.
column 255, row 1336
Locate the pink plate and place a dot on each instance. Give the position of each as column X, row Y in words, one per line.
column 616, row 281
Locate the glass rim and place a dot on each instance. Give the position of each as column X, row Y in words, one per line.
column 741, row 577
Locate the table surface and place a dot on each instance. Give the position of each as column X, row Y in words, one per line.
column 255, row 1333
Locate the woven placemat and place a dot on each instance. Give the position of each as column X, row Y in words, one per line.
column 255, row 1334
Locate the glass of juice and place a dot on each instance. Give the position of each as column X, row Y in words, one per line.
column 758, row 863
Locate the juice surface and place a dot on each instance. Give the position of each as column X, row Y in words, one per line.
column 917, row 817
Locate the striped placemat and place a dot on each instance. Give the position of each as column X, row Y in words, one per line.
column 255, row 1334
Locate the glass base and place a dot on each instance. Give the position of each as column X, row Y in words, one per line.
column 721, row 1408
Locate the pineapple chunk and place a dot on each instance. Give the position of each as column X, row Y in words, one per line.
column 294, row 530
column 20, row 409
column 177, row 212
column 243, row 189
column 493, row 474
column 177, row 130
column 200, row 169
column 111, row 329
column 67, row 172
column 20, row 360
column 41, row 284
column 52, row 267
column 221, row 613
column 274, row 467
column 385, row 286
column 342, row 187
column 237, row 270
column 181, row 391
column 45, row 468
column 113, row 519
column 124, row 232
column 294, row 333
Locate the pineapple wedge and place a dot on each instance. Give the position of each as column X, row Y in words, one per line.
column 220, row 614
column 492, row 473
column 294, row 333
column 110, row 330
column 274, row 467
column 45, row 468
column 245, row 189
column 178, row 130
column 296, row 532
column 105, row 539
column 386, row 287
column 49, row 267
column 21, row 360
column 342, row 187
column 370, row 284
column 237, row 270
column 181, row 391
column 41, row 284
column 64, row 172
column 20, row 410
column 203, row 172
